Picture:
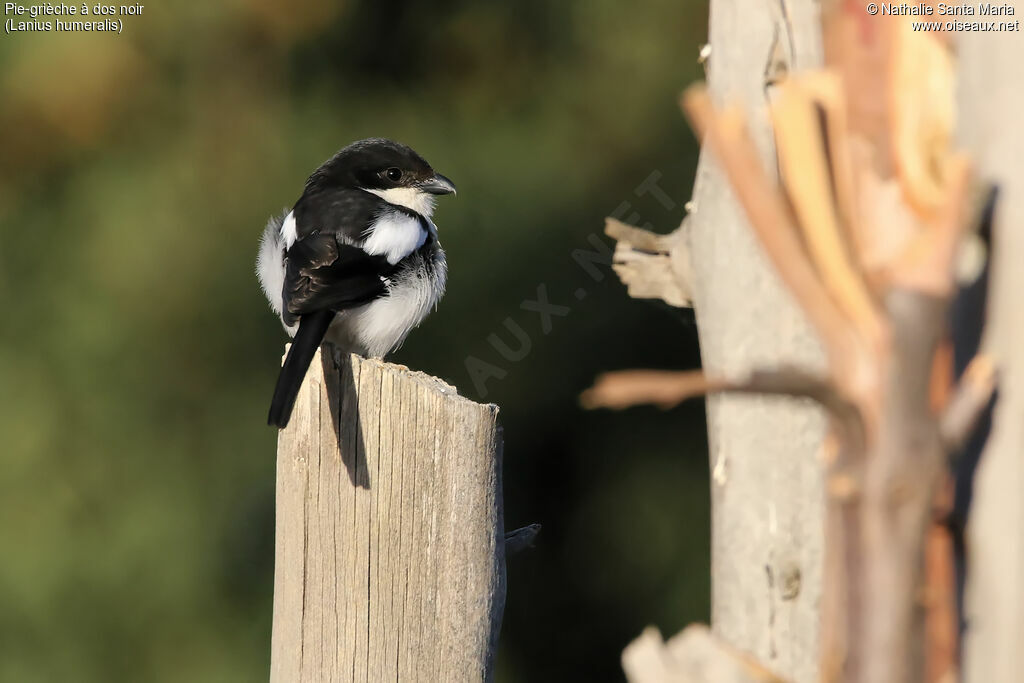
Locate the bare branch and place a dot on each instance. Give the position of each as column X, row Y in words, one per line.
column 801, row 129
column 663, row 388
column 726, row 133
column 939, row 597
column 643, row 262
column 972, row 396
column 668, row 388
column 692, row 656
column 638, row 238
column 927, row 264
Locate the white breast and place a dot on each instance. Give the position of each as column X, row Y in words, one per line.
column 382, row 325
column 394, row 235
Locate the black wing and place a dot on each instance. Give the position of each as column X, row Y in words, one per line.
column 321, row 274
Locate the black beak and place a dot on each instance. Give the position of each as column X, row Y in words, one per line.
column 438, row 185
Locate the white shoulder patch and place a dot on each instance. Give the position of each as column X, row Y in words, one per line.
column 288, row 230
column 394, row 235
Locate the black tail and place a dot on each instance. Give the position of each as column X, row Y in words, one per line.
column 312, row 328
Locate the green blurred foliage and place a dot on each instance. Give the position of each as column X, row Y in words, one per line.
column 137, row 355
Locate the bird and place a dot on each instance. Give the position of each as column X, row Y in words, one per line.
column 356, row 261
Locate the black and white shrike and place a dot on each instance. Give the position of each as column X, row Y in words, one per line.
column 356, row 261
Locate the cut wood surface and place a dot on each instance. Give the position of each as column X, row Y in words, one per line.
column 389, row 543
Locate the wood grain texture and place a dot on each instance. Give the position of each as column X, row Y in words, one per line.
column 767, row 500
column 390, row 549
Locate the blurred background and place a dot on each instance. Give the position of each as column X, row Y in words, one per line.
column 138, row 356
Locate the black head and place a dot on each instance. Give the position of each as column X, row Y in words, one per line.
column 380, row 165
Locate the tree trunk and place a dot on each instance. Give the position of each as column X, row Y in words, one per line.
column 991, row 102
column 767, row 502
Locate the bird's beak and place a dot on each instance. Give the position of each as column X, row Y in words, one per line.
column 438, row 185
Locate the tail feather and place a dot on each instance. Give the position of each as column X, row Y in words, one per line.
column 312, row 328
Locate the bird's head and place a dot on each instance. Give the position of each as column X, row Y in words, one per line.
column 388, row 169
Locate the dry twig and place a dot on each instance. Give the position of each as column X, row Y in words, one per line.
column 968, row 403
column 693, row 656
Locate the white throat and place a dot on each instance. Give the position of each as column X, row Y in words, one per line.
column 408, row 197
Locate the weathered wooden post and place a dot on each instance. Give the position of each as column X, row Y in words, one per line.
column 390, row 554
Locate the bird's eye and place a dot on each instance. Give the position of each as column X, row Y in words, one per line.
column 393, row 174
